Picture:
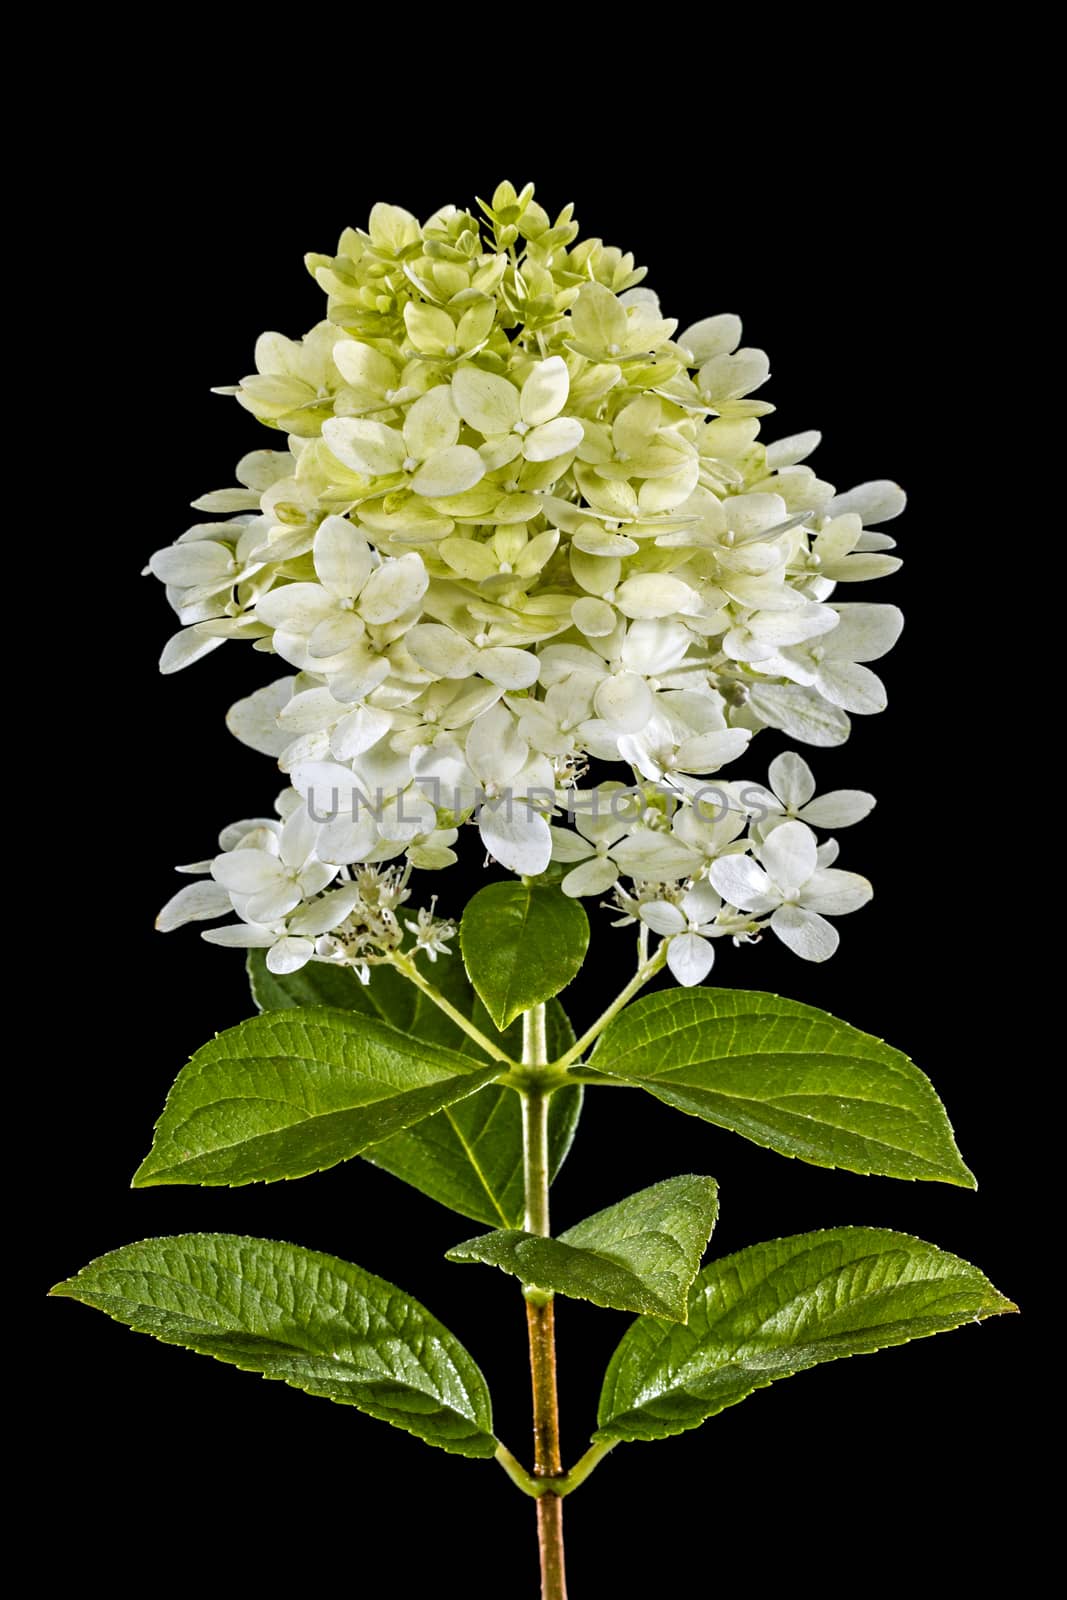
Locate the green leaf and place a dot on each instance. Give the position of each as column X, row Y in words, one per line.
column 639, row 1255
column 292, row 1092
column 389, row 996
column 777, row 1309
column 469, row 1156
column 787, row 1076
column 522, row 943
column 316, row 1323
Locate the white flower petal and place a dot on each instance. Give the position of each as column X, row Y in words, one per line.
column 507, row 667
column 449, row 472
column 240, row 936
column 655, row 594
column 800, row 713
column 254, row 720
column 360, row 730
column 854, row 688
column 662, row 917
column 197, row 902
column 200, row 561
column 839, row 809
column 441, row 650
column 297, row 839
column 598, row 321
column 835, row 893
column 556, row 438
column 592, row 877
column 879, row 501
column 289, row 955
column 442, row 771
column 597, row 541
column 568, row 846
column 728, row 377
column 791, row 779
column 544, row 394
column 272, row 904
column 469, row 702
column 787, row 452
column 624, row 701
column 655, row 857
column 356, row 673
column 595, row 618
column 864, row 632
column 520, row 842
column 247, row 871
column 712, row 336
column 806, row 933
column 861, row 568
column 788, row 854
column 690, row 958
column 315, row 876
column 348, row 839
column 328, row 912
column 702, row 903
column 363, row 446
column 495, row 749
column 328, row 787
column 394, row 588
column 406, row 816
column 363, row 366
column 343, row 558
column 297, row 607
column 654, row 646
column 743, row 883
column 185, row 647
column 707, row 752
column 340, row 631
column 432, row 423
column 485, row 401
column 267, row 829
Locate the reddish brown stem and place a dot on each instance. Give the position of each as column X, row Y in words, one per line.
column 541, row 1324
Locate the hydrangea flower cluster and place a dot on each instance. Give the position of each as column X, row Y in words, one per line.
column 519, row 524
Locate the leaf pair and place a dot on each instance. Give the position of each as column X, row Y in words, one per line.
column 389, row 1076
column 331, row 1329
column 294, row 1091
column 785, row 1075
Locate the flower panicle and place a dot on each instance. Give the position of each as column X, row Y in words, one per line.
column 516, row 524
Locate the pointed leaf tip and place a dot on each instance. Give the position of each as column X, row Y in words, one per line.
column 312, row 1321
column 777, row 1309
column 293, row 1092
column 787, row 1076
column 522, row 943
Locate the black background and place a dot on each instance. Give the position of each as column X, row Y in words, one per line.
column 858, row 255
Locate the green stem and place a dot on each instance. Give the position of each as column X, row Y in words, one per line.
column 407, row 966
column 581, row 1469
column 564, row 1484
column 540, row 1312
column 518, row 1473
column 534, row 1040
column 640, row 978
